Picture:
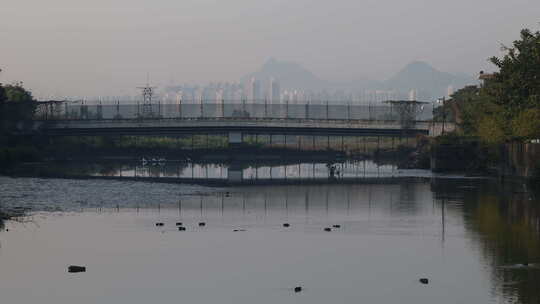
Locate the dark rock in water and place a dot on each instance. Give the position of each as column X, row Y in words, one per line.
column 159, row 224
column 181, row 228
column 297, row 289
column 75, row 269
column 327, row 229
column 179, row 224
column 337, row 226
column 286, row 225
column 202, row 224
column 424, row 281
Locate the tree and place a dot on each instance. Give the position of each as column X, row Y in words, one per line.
column 2, row 93
column 3, row 99
column 527, row 124
column 17, row 93
column 3, row 96
column 17, row 106
column 506, row 106
column 516, row 86
column 461, row 105
column 490, row 130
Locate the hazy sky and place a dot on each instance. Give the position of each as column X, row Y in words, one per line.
column 105, row 47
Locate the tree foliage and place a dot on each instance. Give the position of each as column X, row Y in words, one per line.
column 507, row 105
column 17, row 106
column 517, row 84
column 3, row 96
column 527, row 124
column 17, row 93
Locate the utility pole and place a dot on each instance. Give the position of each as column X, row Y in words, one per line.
column 147, row 93
column 444, row 113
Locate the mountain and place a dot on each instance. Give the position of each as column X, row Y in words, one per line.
column 428, row 81
column 291, row 75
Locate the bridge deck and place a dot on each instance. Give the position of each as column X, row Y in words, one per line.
column 171, row 127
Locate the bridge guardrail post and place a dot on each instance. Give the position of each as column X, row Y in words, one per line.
column 117, row 110
column 180, row 109
column 222, row 108
column 99, row 111
column 327, row 117
column 202, row 109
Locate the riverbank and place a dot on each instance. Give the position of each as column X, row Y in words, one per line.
column 510, row 161
column 7, row 214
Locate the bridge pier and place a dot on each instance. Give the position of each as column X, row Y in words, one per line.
column 235, row 138
column 235, row 174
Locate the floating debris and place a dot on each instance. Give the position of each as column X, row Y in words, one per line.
column 337, row 226
column 239, row 230
column 160, row 224
column 202, row 224
column 179, row 224
column 76, row 269
column 181, row 228
column 424, row 281
column 328, row 229
column 298, row 289
column 286, row 225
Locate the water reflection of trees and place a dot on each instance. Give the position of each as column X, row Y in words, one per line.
column 505, row 222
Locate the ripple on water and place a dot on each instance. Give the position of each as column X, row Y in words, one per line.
column 66, row 194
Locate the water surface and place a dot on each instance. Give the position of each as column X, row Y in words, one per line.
column 470, row 237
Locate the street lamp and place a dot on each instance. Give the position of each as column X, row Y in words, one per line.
column 443, row 101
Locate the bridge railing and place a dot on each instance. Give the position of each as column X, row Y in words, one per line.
column 239, row 110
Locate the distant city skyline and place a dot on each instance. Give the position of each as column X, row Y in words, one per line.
column 416, row 81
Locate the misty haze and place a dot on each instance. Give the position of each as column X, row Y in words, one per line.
column 272, row 151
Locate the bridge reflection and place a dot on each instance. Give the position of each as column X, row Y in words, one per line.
column 350, row 171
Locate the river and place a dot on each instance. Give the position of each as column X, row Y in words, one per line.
column 475, row 240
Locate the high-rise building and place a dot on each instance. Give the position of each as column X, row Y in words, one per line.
column 450, row 90
column 220, row 96
column 413, row 95
column 274, row 91
column 253, row 90
column 256, row 91
column 179, row 96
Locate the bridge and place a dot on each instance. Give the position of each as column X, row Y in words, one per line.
column 237, row 119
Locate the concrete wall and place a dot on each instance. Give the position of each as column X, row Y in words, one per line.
column 458, row 157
